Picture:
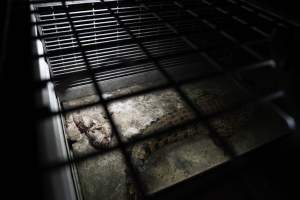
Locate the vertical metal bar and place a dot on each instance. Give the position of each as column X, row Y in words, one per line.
column 134, row 173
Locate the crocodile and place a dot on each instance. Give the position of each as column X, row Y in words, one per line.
column 98, row 136
column 207, row 101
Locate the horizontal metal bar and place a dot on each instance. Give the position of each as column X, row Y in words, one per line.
column 165, row 131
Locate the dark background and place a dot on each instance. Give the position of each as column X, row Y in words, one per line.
column 271, row 172
column 19, row 173
column 289, row 8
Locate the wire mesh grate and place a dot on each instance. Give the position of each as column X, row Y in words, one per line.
column 87, row 42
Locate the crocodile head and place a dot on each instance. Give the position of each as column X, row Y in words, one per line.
column 98, row 135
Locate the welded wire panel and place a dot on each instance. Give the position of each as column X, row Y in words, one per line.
column 108, row 44
column 147, row 89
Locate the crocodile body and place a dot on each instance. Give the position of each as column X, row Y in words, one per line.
column 224, row 125
column 208, row 103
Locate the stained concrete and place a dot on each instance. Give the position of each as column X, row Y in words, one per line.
column 134, row 114
column 103, row 177
column 179, row 161
column 170, row 163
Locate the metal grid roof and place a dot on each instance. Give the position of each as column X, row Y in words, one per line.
column 91, row 41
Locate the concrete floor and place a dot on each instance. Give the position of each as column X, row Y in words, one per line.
column 179, row 154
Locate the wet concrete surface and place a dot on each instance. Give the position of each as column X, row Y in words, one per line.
column 168, row 159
